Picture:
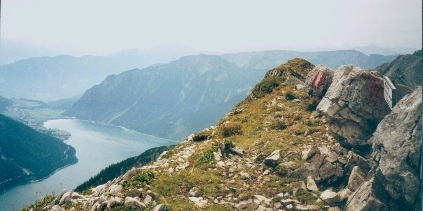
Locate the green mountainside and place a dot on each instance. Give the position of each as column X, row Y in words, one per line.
column 29, row 155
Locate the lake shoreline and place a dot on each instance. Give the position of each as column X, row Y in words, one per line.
column 96, row 147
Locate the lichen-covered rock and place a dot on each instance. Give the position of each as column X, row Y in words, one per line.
column 354, row 105
column 318, row 81
column 397, row 149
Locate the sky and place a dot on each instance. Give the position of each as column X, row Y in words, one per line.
column 100, row 27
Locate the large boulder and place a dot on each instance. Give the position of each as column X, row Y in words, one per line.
column 397, row 149
column 396, row 183
column 367, row 197
column 318, row 81
column 354, row 105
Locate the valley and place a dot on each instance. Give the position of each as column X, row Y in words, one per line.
column 85, row 138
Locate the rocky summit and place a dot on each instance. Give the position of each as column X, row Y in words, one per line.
column 306, row 138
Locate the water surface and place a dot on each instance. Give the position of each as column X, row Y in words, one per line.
column 97, row 146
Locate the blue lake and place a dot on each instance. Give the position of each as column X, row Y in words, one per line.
column 97, row 146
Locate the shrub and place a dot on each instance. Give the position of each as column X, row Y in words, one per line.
column 208, row 157
column 140, row 180
column 312, row 106
column 260, row 158
column 227, row 146
column 87, row 192
column 281, row 171
column 231, row 129
column 290, row 96
column 266, row 86
column 202, row 135
column 305, row 197
column 278, row 125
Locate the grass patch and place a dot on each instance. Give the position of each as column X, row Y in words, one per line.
column 140, row 180
column 266, row 86
column 231, row 129
column 305, row 197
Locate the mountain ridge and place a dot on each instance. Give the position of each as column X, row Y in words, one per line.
column 277, row 151
column 242, row 72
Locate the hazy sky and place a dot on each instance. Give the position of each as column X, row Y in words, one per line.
column 103, row 26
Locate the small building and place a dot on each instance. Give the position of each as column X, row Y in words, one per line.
column 389, row 92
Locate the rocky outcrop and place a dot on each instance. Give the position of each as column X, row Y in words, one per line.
column 397, row 160
column 367, row 197
column 293, row 72
column 318, row 81
column 354, row 105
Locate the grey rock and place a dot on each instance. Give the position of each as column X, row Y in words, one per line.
column 334, row 209
column 313, row 151
column 397, row 150
column 114, row 201
column 247, row 205
column 244, row 175
column 147, row 200
column 356, row 178
column 237, row 151
column 354, row 105
column 261, row 208
column 134, row 193
column 198, row 201
column 318, row 81
column 134, row 203
column 329, row 197
column 56, row 208
column 273, row 159
column 356, row 160
column 193, row 192
column 311, row 184
column 287, row 202
column 66, row 197
column 366, row 198
column 331, row 173
column 159, row 207
column 115, row 189
column 344, row 194
column 217, row 155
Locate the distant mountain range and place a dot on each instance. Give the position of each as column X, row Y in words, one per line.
column 13, row 51
column 168, row 100
column 332, row 59
column 175, row 99
column 58, row 77
column 54, row 78
column 373, row 49
column 26, row 154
